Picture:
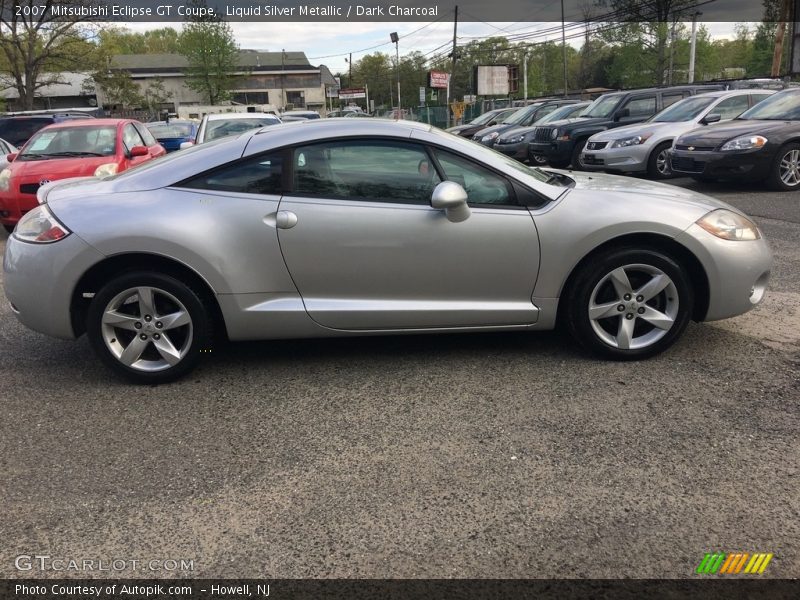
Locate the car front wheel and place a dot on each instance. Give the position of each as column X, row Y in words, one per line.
column 629, row 304
column 658, row 162
column 785, row 171
column 149, row 327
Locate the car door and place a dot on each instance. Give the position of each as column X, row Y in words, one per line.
column 130, row 139
column 151, row 142
column 368, row 252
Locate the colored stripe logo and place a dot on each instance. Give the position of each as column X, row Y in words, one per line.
column 732, row 563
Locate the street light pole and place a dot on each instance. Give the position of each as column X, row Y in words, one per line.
column 395, row 38
column 693, row 45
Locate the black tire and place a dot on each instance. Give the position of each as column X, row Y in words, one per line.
column 9, row 229
column 790, row 153
column 577, row 165
column 591, row 285
column 170, row 297
column 653, row 170
column 537, row 160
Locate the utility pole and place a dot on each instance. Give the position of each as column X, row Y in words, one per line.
column 525, row 76
column 283, row 79
column 453, row 64
column 396, row 39
column 350, row 75
column 779, row 35
column 671, row 49
column 693, row 45
column 564, row 46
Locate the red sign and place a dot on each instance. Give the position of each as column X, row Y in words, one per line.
column 438, row 79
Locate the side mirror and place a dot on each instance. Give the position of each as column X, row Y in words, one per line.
column 712, row 118
column 452, row 198
column 10, row 157
column 139, row 151
column 185, row 145
column 625, row 112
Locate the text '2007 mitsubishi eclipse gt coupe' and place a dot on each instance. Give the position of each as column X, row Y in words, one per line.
column 344, row 228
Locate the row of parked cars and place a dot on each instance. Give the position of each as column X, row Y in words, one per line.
column 701, row 131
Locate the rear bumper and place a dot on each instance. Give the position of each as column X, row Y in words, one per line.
column 750, row 165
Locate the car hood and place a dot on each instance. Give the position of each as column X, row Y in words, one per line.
column 636, row 189
column 500, row 127
column 60, row 168
column 639, row 129
column 716, row 134
column 514, row 131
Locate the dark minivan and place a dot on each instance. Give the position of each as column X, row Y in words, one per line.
column 561, row 142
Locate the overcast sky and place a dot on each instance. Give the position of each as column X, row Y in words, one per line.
column 330, row 43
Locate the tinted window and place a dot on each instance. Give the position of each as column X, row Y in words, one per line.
column 365, row 170
column 731, row 108
column 252, row 175
column 171, row 130
column 603, row 107
column 482, row 186
column 643, row 106
column 670, row 99
column 19, row 131
column 756, row 98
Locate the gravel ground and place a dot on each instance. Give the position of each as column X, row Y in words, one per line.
column 502, row 455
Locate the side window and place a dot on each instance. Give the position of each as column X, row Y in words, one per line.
column 756, row 98
column 642, row 106
column 668, row 99
column 731, row 108
column 383, row 171
column 482, row 186
column 131, row 137
column 544, row 111
column 252, row 175
column 148, row 138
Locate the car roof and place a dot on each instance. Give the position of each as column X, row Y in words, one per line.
column 89, row 123
column 246, row 115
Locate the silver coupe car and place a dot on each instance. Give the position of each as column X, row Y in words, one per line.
column 364, row 227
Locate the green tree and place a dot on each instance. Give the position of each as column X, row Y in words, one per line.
column 155, row 94
column 211, row 50
column 118, row 87
column 36, row 49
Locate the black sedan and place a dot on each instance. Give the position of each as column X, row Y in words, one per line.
column 763, row 144
column 487, row 119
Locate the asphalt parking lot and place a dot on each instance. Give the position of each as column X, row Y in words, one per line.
column 502, row 455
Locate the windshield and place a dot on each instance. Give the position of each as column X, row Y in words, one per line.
column 221, row 128
column 519, row 117
column 562, row 113
column 780, row 107
column 603, row 107
column 484, row 118
column 683, row 110
column 170, row 130
column 68, row 142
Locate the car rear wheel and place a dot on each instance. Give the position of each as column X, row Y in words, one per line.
column 629, row 304
column 538, row 159
column 149, row 327
column 785, row 171
column 658, row 162
column 577, row 163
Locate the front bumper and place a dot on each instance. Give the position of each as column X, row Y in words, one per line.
column 518, row 150
column 556, row 150
column 751, row 165
column 631, row 159
column 40, row 279
column 13, row 206
column 738, row 272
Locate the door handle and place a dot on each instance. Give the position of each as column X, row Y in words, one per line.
column 285, row 219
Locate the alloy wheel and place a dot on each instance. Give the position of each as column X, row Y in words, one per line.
column 662, row 163
column 789, row 169
column 147, row 329
column 633, row 306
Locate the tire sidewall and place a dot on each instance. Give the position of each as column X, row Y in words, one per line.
column 652, row 162
column 774, row 180
column 576, row 155
column 594, row 270
column 199, row 313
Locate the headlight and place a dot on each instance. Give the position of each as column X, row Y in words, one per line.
column 631, row 141
column 489, row 137
column 106, row 170
column 729, row 225
column 513, row 140
column 40, row 226
column 554, row 134
column 745, row 142
column 5, row 179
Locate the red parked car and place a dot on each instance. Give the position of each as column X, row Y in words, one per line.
column 99, row 147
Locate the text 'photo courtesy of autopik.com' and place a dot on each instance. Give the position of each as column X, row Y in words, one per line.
column 399, row 299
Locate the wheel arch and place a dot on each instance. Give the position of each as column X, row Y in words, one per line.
column 654, row 241
column 103, row 271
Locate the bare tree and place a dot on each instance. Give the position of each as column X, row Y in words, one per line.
column 36, row 45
